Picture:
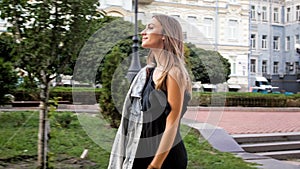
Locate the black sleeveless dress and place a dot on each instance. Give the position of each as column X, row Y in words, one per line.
column 156, row 109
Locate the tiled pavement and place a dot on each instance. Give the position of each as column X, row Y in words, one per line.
column 217, row 122
column 238, row 120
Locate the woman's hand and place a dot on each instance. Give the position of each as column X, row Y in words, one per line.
column 152, row 167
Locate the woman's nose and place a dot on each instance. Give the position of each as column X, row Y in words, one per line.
column 143, row 32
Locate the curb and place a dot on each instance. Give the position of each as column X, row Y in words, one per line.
column 93, row 108
column 255, row 109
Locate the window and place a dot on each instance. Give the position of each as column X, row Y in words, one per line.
column 289, row 67
column 252, row 65
column 184, row 34
column 264, row 14
column 288, row 43
column 192, row 19
column 298, row 13
column 253, row 41
column 233, row 68
column 253, row 12
column 276, row 15
column 288, row 14
column 264, row 66
column 275, row 67
column 297, row 67
column 264, row 42
column 233, row 29
column 208, row 27
column 287, row 64
column 297, row 39
column 276, row 43
column 175, row 16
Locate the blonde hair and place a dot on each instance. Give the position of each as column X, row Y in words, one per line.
column 173, row 51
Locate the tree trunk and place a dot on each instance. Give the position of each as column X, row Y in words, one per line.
column 44, row 125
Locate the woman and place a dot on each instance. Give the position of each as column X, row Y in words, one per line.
column 148, row 136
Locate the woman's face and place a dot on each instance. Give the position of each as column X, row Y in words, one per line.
column 152, row 35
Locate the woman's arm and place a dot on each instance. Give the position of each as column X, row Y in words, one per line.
column 175, row 99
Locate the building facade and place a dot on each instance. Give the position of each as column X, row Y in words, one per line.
column 221, row 25
column 275, row 31
column 258, row 37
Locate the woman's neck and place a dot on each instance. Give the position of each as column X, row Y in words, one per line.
column 158, row 56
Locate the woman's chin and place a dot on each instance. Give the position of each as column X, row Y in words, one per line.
column 145, row 46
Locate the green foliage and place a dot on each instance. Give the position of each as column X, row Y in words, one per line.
column 62, row 119
column 59, row 119
column 108, row 106
column 245, row 99
column 8, row 77
column 92, row 58
column 8, row 80
column 6, row 47
column 207, row 66
column 114, row 82
column 48, row 35
column 66, row 94
column 105, row 58
column 78, row 89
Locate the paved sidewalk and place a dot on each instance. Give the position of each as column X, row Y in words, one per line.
column 223, row 121
column 246, row 120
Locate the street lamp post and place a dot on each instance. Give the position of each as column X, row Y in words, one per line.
column 135, row 65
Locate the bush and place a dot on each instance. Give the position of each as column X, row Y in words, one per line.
column 8, row 80
column 65, row 94
column 109, row 106
column 62, row 119
column 244, row 99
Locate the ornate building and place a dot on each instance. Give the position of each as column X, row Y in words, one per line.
column 221, row 25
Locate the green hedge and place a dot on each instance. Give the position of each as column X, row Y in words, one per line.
column 79, row 95
column 244, row 99
column 91, row 96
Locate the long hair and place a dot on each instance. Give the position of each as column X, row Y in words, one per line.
column 173, row 51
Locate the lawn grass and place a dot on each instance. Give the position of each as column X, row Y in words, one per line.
column 18, row 140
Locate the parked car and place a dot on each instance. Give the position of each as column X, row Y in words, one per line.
column 263, row 85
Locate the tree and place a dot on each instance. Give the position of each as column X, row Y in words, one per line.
column 49, row 35
column 105, row 59
column 207, row 66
